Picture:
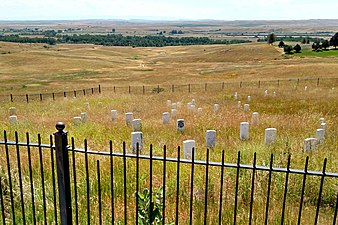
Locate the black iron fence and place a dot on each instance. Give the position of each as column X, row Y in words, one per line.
column 60, row 184
column 292, row 83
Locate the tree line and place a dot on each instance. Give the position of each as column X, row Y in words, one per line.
column 120, row 40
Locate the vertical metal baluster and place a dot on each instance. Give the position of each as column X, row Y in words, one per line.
column 221, row 191
column 137, row 178
column 87, row 182
column 9, row 178
column 99, row 191
column 75, row 182
column 164, row 181
column 206, row 188
column 192, row 185
column 31, row 178
column 112, row 182
column 252, row 188
column 151, row 182
column 320, row 191
column 236, row 188
column 125, row 183
column 268, row 194
column 303, row 190
column 286, row 188
column 2, row 204
column 177, row 183
column 20, row 177
column 53, row 179
column 42, row 182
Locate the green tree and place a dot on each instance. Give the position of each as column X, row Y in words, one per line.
column 297, row 48
column 325, row 44
column 271, row 38
column 288, row 49
column 316, row 46
column 334, row 41
column 281, row 44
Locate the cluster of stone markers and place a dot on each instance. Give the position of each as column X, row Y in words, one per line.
column 188, row 145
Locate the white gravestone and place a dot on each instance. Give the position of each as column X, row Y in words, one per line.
column 210, row 138
column 174, row 106
column 199, row 111
column 255, row 118
column 310, row 144
column 165, row 118
column 192, row 108
column 274, row 94
column 113, row 114
column 270, row 136
column 84, row 117
column 188, row 147
column 180, row 125
column 77, row 120
column 193, row 102
column 322, row 120
column 323, row 126
column 216, row 107
column 173, row 113
column 129, row 118
column 320, row 135
column 13, row 119
column 249, row 98
column 305, row 88
column 246, row 107
column 12, row 111
column 169, row 103
column 239, row 104
column 136, row 138
column 188, row 105
column 266, row 93
column 86, row 105
column 137, row 125
column 235, row 96
column 244, row 131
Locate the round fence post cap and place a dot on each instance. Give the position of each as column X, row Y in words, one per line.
column 60, row 126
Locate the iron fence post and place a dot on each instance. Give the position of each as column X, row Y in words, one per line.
column 61, row 147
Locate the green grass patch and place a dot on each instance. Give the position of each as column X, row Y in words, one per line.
column 328, row 53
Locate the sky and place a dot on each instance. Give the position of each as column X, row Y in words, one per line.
column 168, row 10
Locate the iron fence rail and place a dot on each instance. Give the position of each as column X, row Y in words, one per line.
column 67, row 185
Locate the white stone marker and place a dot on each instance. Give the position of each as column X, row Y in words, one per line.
column 13, row 119
column 173, row 113
column 274, row 94
column 239, row 104
column 246, row 107
column 173, row 105
column 180, row 125
column 193, row 102
column 322, row 120
column 249, row 98
column 216, row 107
column 86, row 105
column 270, row 136
column 265, row 93
column 77, row 120
column 210, row 138
column 323, row 126
column 113, row 114
column 235, row 96
column 169, row 103
column 188, row 147
column 165, row 118
column 199, row 111
column 310, row 144
column 192, row 108
column 136, row 137
column 129, row 118
column 188, row 105
column 320, row 133
column 244, row 131
column 255, row 118
column 12, row 111
column 84, row 117
column 137, row 125
column 305, row 88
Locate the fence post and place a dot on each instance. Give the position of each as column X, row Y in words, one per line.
column 158, row 88
column 61, row 148
column 53, row 96
column 99, row 88
column 297, row 81
column 189, row 88
column 74, row 93
column 114, row 89
column 92, row 91
column 40, row 97
column 84, row 92
column 129, row 89
column 172, row 88
column 278, row 83
column 259, row 84
column 223, row 86
column 205, row 86
column 27, row 99
column 240, row 84
column 11, row 98
column 143, row 90
column 318, row 82
column 64, row 94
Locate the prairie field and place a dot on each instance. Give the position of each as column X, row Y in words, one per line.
column 294, row 109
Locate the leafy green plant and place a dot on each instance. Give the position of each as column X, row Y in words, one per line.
column 150, row 212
